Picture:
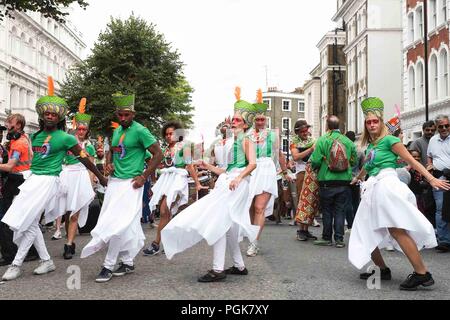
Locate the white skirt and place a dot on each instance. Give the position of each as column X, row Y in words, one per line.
column 78, row 191
column 211, row 217
column 264, row 179
column 386, row 202
column 173, row 183
column 37, row 194
column 120, row 217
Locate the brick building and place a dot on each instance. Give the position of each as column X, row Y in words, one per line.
column 414, row 63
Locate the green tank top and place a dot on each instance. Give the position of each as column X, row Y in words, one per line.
column 237, row 158
column 264, row 141
column 174, row 159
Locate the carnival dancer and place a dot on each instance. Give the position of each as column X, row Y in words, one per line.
column 263, row 183
column 388, row 207
column 302, row 148
column 118, row 225
column 222, row 217
column 76, row 181
column 39, row 193
column 172, row 189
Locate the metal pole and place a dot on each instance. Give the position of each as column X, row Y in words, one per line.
column 425, row 43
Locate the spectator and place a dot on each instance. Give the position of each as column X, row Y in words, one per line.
column 421, row 144
column 355, row 189
column 439, row 160
column 334, row 181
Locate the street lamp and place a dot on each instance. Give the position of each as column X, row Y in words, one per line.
column 425, row 44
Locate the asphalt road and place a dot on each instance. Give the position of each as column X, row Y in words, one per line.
column 286, row 269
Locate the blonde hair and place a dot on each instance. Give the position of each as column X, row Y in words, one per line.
column 366, row 139
column 19, row 118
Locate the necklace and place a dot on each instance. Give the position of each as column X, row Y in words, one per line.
column 169, row 155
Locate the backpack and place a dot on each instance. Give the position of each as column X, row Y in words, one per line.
column 338, row 161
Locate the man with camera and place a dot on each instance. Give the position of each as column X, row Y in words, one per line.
column 18, row 169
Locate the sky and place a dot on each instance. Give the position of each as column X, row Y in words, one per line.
column 226, row 43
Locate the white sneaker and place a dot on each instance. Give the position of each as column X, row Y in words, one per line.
column 316, row 224
column 293, row 223
column 252, row 250
column 12, row 273
column 45, row 267
column 57, row 235
column 390, row 248
column 348, row 231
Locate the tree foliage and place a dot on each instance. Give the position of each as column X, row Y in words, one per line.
column 131, row 57
column 50, row 8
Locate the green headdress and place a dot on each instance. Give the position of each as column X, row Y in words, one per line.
column 123, row 102
column 81, row 118
column 260, row 107
column 246, row 109
column 374, row 106
column 51, row 103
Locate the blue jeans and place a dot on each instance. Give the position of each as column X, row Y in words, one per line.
column 443, row 231
column 334, row 203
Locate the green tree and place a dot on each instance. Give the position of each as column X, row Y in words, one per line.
column 50, row 8
column 131, row 56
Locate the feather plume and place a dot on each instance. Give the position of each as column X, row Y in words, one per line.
column 114, row 125
column 237, row 93
column 259, row 96
column 82, row 106
column 50, row 86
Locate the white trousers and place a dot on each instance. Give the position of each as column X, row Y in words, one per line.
column 31, row 236
column 229, row 241
column 114, row 253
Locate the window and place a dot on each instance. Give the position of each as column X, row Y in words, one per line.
column 360, row 116
column 433, row 78
column 269, row 103
column 443, row 12
column 419, row 31
column 286, row 124
column 269, row 122
column 432, row 15
column 420, row 84
column 443, row 81
column 301, row 106
column 410, row 28
column 351, row 116
column 412, row 88
column 286, row 105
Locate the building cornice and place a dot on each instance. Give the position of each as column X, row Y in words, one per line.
column 329, row 38
column 283, row 95
column 365, row 33
column 342, row 10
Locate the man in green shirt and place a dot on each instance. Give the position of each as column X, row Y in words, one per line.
column 119, row 226
column 335, row 194
column 39, row 193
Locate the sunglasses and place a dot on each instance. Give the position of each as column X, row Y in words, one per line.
column 374, row 121
column 444, row 126
column 237, row 120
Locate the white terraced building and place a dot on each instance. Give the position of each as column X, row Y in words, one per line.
column 31, row 48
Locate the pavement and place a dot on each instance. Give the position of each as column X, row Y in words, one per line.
column 285, row 269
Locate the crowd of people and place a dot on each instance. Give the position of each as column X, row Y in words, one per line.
column 387, row 194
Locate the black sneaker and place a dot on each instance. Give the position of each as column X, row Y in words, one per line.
column 443, row 248
column 385, row 274
column 414, row 280
column 123, row 270
column 212, row 276
column 69, row 251
column 4, row 263
column 104, row 276
column 310, row 236
column 153, row 250
column 236, row 271
column 301, row 235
